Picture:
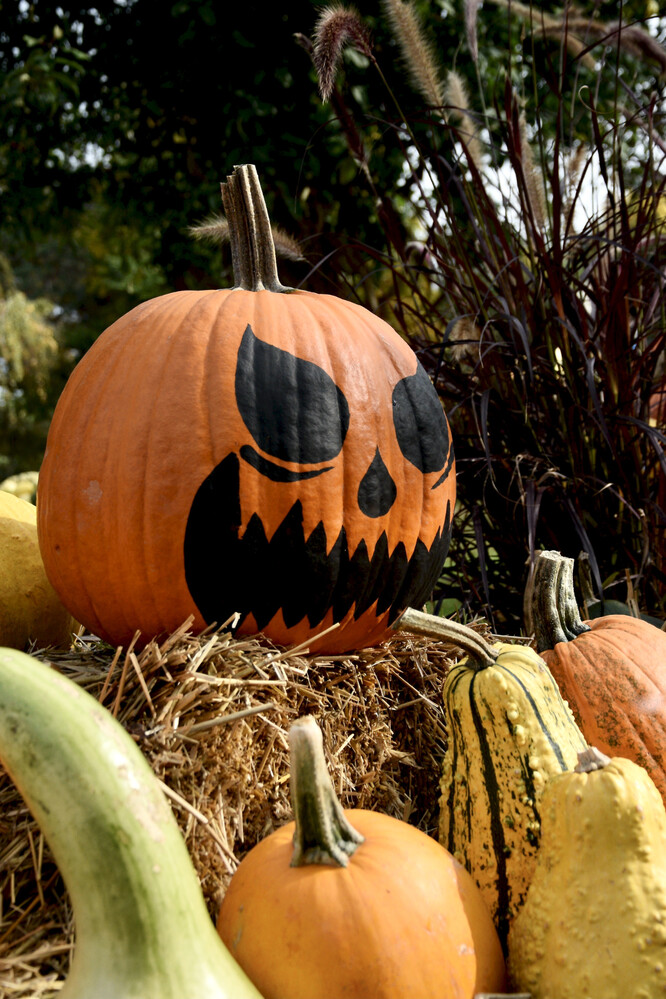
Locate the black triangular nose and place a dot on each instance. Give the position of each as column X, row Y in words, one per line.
column 377, row 491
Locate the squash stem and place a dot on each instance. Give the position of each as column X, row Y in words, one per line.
column 252, row 247
column 573, row 624
column 323, row 835
column 555, row 613
column 481, row 653
column 591, row 759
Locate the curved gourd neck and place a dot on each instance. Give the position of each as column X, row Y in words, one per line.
column 323, row 834
column 480, row 653
column 252, row 247
column 555, row 612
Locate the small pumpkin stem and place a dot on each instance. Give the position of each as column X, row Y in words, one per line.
column 480, row 652
column 555, row 612
column 591, row 759
column 252, row 246
column 323, row 835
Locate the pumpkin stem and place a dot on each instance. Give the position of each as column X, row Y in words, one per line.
column 591, row 759
column 480, row 652
column 252, row 246
column 323, row 835
column 555, row 612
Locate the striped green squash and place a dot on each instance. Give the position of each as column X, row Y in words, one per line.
column 509, row 731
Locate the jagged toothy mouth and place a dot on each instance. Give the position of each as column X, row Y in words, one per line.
column 228, row 574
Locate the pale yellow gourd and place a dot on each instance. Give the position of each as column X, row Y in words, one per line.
column 593, row 925
column 23, row 485
column 30, row 610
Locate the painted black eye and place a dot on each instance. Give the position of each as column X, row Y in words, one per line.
column 420, row 424
column 293, row 408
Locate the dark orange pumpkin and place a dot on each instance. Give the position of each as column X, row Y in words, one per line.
column 611, row 670
column 259, row 451
column 355, row 903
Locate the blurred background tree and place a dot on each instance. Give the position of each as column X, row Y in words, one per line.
column 118, row 121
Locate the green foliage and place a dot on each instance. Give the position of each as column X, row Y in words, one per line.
column 28, row 348
column 29, row 356
column 27, row 345
column 122, row 258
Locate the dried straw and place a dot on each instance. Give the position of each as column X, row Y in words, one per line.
column 211, row 714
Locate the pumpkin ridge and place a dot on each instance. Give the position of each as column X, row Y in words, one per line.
column 151, row 592
column 117, row 349
column 165, row 339
column 614, row 629
column 75, row 444
column 620, row 726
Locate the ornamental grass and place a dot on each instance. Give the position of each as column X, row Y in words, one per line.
column 524, row 259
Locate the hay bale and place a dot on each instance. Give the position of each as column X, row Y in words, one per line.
column 211, row 714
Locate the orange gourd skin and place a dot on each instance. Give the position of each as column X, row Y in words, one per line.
column 151, row 410
column 402, row 920
column 614, row 678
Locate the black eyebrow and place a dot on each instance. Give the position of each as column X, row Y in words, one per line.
column 276, row 472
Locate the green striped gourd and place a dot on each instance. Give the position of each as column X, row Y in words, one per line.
column 509, row 731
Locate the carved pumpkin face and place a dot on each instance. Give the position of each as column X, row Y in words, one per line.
column 260, row 453
column 284, row 457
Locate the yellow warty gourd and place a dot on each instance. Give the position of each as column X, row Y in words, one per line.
column 23, row 485
column 593, row 925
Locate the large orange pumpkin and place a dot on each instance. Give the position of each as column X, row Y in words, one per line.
column 370, row 910
column 611, row 670
column 276, row 454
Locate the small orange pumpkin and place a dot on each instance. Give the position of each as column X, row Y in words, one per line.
column 276, row 454
column 611, row 670
column 373, row 910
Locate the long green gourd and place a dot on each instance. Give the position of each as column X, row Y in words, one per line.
column 142, row 927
